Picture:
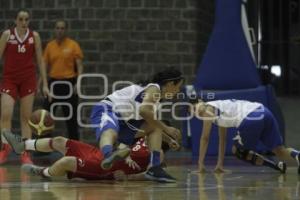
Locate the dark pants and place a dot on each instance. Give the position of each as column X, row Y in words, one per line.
column 64, row 90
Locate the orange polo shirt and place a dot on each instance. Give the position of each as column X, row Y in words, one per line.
column 61, row 58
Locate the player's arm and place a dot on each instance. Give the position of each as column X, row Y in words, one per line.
column 222, row 148
column 3, row 40
column 41, row 63
column 79, row 66
column 207, row 115
column 147, row 111
column 206, row 129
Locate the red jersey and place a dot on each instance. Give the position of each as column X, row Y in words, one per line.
column 19, row 55
column 140, row 154
column 89, row 159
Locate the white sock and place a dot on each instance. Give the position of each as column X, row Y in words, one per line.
column 4, row 141
column 29, row 145
column 46, row 172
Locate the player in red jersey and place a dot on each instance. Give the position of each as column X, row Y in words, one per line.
column 19, row 48
column 82, row 160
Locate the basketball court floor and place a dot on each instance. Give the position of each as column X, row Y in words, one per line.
column 244, row 182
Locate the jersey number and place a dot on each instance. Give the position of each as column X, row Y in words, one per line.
column 21, row 48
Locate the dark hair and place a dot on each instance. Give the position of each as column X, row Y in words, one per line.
column 168, row 74
column 193, row 101
column 62, row 20
column 22, row 10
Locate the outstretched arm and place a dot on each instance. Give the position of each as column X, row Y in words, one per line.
column 222, row 148
column 148, row 111
column 206, row 129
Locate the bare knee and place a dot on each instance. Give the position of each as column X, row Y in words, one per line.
column 59, row 143
column 278, row 151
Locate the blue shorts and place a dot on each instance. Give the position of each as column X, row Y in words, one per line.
column 104, row 118
column 260, row 125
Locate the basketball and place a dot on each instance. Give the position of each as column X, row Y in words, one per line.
column 41, row 122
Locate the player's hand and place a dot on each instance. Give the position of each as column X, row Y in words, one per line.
column 46, row 93
column 220, row 170
column 202, row 169
column 131, row 163
column 119, row 175
column 173, row 132
column 174, row 145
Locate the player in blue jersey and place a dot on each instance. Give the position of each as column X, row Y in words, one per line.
column 131, row 111
column 254, row 123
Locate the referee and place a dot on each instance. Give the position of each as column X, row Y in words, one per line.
column 63, row 56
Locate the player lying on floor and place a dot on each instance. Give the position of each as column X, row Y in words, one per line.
column 82, row 160
column 254, row 123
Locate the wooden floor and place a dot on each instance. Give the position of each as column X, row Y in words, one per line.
column 245, row 182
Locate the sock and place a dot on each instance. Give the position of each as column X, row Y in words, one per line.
column 30, row 145
column 46, row 172
column 155, row 158
column 4, row 141
column 270, row 163
column 107, row 150
column 294, row 154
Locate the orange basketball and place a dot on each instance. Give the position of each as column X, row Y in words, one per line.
column 41, row 122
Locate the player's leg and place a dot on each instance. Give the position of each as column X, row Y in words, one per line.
column 287, row 154
column 155, row 172
column 59, row 168
column 42, row 145
column 72, row 124
column 257, row 159
column 7, row 108
column 272, row 139
column 26, row 105
column 107, row 128
column 107, row 140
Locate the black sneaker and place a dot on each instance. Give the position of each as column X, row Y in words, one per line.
column 156, row 173
column 33, row 170
column 117, row 155
column 15, row 141
column 282, row 167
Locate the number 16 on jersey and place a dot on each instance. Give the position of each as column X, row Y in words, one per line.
column 21, row 48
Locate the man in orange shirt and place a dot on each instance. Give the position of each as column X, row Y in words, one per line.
column 63, row 57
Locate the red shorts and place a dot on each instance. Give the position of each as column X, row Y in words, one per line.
column 88, row 161
column 16, row 87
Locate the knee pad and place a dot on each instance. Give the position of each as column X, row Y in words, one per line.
column 241, row 153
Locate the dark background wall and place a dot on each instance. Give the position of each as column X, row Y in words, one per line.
column 125, row 39
column 135, row 37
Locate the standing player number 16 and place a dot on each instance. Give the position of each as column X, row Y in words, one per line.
column 21, row 48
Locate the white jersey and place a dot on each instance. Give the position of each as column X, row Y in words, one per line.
column 232, row 112
column 127, row 101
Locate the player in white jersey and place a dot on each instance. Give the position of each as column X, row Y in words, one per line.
column 253, row 121
column 131, row 110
